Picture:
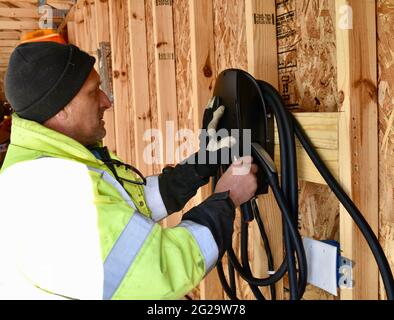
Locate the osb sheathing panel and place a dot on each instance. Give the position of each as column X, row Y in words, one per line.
column 230, row 34
column 307, row 82
column 307, row 54
column 319, row 219
column 386, row 128
column 183, row 63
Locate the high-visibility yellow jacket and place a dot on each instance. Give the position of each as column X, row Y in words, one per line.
column 68, row 229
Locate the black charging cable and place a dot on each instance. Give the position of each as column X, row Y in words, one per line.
column 370, row 237
column 289, row 184
column 286, row 194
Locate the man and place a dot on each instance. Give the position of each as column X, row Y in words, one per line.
column 77, row 223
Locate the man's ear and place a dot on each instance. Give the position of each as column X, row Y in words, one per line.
column 62, row 115
column 57, row 120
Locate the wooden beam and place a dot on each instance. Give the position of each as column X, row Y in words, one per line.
column 78, row 24
column 104, row 38
column 9, row 43
column 118, row 17
column 69, row 17
column 263, row 64
column 21, row 1
column 140, row 82
column 203, row 71
column 89, row 13
column 4, row 58
column 322, row 130
column 164, row 65
column 22, row 4
column 358, row 132
column 78, row 20
column 19, row 13
column 261, row 40
column 61, row 4
column 71, row 32
column 10, row 35
column 166, row 82
column 18, row 25
column 7, row 49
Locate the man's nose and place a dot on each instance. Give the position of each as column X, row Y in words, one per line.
column 104, row 100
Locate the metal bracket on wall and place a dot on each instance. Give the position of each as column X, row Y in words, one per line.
column 345, row 273
column 105, row 68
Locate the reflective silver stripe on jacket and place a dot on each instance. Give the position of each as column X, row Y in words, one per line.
column 206, row 242
column 111, row 180
column 153, row 198
column 127, row 245
column 124, row 252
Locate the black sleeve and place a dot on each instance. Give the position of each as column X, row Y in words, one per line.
column 178, row 185
column 216, row 213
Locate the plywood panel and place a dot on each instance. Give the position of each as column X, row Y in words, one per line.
column 385, row 48
column 307, row 54
column 230, row 35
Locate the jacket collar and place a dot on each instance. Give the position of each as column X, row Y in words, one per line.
column 34, row 136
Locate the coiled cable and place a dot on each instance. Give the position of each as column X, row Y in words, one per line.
column 286, row 194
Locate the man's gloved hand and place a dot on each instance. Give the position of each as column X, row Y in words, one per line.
column 177, row 185
column 208, row 158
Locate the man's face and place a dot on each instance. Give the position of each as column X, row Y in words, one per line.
column 86, row 112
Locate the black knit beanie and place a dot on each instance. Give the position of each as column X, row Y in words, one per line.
column 43, row 77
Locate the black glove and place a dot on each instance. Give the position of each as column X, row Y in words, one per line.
column 210, row 155
column 216, row 213
column 178, row 185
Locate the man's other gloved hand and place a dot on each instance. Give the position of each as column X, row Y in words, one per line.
column 236, row 186
column 239, row 180
column 208, row 158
